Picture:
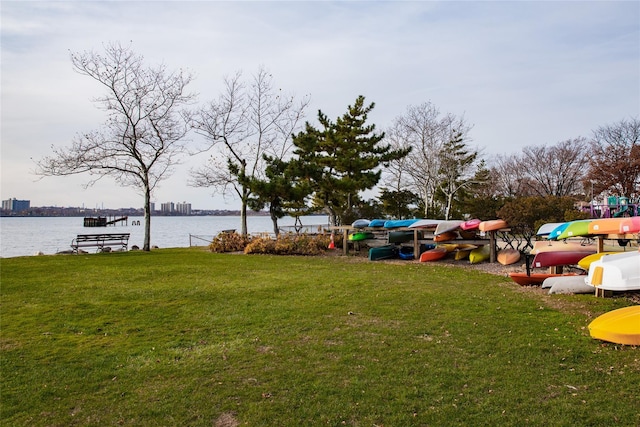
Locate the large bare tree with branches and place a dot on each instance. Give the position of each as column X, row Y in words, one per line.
column 614, row 164
column 556, row 170
column 144, row 134
column 428, row 133
column 247, row 122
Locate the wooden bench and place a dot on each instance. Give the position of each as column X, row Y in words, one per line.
column 100, row 241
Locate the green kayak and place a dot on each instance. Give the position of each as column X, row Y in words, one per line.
column 360, row 235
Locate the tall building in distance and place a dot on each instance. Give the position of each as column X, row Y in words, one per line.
column 183, row 208
column 167, row 207
column 15, row 205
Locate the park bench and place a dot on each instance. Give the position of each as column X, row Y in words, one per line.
column 100, row 241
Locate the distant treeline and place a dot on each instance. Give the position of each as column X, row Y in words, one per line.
column 48, row 211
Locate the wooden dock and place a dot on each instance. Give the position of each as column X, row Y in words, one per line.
column 103, row 221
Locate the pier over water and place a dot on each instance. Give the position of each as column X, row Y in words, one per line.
column 103, row 221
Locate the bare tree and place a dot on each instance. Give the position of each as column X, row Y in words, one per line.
column 245, row 123
column 614, row 164
column 556, row 170
column 508, row 177
column 428, row 132
column 147, row 121
column 458, row 164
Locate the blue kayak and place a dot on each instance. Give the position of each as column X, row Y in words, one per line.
column 377, row 223
column 553, row 235
column 397, row 223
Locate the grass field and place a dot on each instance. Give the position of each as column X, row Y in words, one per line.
column 184, row 337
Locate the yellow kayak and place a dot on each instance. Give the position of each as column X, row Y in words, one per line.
column 480, row 254
column 621, row 326
column 585, row 262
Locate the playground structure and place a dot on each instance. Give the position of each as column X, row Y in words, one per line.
column 614, row 208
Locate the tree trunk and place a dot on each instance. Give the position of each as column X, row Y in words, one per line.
column 274, row 220
column 147, row 218
column 333, row 218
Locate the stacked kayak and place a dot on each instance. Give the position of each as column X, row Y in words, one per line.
column 508, row 256
column 480, row 254
column 630, row 225
column 361, row 235
column 383, row 252
column 492, row 225
column 524, row 279
column 616, row 272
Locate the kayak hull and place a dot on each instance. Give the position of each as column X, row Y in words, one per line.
column 433, row 254
column 617, row 272
column 492, row 225
column 383, row 252
column 533, row 279
column 553, row 259
column 621, row 326
column 508, row 256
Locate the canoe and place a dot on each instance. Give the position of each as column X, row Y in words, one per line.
column 567, row 285
column 361, row 235
column 575, row 229
column 557, row 231
column 479, row 254
column 360, row 223
column 447, row 226
column 406, row 252
column 523, row 279
column 445, row 237
column 398, row 223
column 617, row 272
column 552, row 259
column 426, row 223
column 553, row 246
column 383, row 252
column 621, row 326
column 630, row 225
column 374, row 223
column 402, row 236
column 585, row 262
column 471, row 224
column 494, row 224
column 508, row 256
column 546, row 229
column 605, row 226
column 433, row 254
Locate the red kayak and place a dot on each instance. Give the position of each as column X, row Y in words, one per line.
column 433, row 254
column 555, row 258
column 533, row 279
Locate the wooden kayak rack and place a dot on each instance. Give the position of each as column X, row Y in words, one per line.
column 492, row 238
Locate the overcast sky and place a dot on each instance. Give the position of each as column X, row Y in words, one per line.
column 522, row 73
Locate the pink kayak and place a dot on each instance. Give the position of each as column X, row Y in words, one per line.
column 630, row 225
column 471, row 224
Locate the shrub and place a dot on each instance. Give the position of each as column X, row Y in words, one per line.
column 229, row 242
column 261, row 245
column 289, row 244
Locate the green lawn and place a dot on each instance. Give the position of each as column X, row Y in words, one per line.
column 184, row 337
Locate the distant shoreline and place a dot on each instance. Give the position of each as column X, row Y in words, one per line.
column 80, row 212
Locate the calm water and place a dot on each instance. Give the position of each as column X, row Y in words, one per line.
column 28, row 236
